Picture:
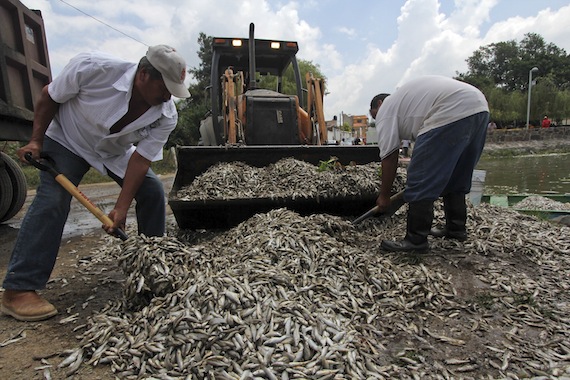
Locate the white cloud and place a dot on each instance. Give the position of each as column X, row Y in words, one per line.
column 548, row 23
column 348, row 31
column 467, row 17
column 382, row 71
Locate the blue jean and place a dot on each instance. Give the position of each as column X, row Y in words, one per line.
column 39, row 238
column 444, row 158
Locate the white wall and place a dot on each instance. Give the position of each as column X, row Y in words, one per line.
column 371, row 136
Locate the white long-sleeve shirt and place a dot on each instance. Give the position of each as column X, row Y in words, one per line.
column 94, row 90
column 423, row 104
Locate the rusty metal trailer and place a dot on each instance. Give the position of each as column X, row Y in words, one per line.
column 24, row 71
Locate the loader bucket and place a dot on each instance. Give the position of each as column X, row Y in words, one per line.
column 221, row 214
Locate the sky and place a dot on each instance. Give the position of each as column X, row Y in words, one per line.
column 362, row 47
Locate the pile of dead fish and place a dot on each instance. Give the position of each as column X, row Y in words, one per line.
column 287, row 178
column 283, row 296
column 537, row 202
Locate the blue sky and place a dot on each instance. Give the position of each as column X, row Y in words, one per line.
column 363, row 47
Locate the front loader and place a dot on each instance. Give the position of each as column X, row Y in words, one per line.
column 260, row 126
column 243, row 113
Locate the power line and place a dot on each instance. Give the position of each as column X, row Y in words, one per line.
column 107, row 25
column 102, row 22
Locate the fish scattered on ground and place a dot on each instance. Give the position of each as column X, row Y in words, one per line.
column 285, row 296
column 538, row 202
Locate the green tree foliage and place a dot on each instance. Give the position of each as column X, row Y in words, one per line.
column 346, row 127
column 506, row 64
column 270, row 82
column 501, row 71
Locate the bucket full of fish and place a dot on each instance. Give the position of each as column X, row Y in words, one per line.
column 477, row 185
column 219, row 188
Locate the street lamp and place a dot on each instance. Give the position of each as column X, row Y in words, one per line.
column 534, row 69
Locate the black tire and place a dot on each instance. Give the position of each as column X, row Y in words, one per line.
column 6, row 190
column 18, row 184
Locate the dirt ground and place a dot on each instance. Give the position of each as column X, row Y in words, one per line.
column 43, row 343
column 78, row 288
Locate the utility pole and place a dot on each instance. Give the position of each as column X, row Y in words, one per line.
column 534, row 69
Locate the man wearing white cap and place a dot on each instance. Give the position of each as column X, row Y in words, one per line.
column 105, row 113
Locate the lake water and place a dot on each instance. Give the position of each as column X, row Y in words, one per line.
column 532, row 174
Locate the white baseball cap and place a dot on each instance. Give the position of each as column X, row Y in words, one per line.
column 172, row 66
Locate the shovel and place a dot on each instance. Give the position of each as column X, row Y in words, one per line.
column 396, row 201
column 46, row 164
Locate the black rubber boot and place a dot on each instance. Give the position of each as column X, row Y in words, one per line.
column 420, row 217
column 455, row 218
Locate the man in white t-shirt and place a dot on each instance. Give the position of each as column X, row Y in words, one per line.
column 105, row 113
column 448, row 121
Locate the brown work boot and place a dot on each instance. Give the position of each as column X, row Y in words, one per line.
column 26, row 305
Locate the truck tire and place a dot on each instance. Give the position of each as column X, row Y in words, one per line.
column 17, row 184
column 6, row 190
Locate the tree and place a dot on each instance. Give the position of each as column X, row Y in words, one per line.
column 289, row 86
column 506, row 64
column 501, row 70
column 562, row 106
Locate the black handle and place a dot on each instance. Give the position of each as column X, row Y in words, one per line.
column 366, row 215
column 45, row 163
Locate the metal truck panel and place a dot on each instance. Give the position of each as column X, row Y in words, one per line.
column 215, row 214
column 24, row 68
column 24, row 71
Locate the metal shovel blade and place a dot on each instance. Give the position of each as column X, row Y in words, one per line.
column 396, row 202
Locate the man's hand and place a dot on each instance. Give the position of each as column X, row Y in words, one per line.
column 136, row 170
column 119, row 218
column 383, row 202
column 32, row 147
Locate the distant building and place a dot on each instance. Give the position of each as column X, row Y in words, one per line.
column 358, row 124
column 358, row 127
